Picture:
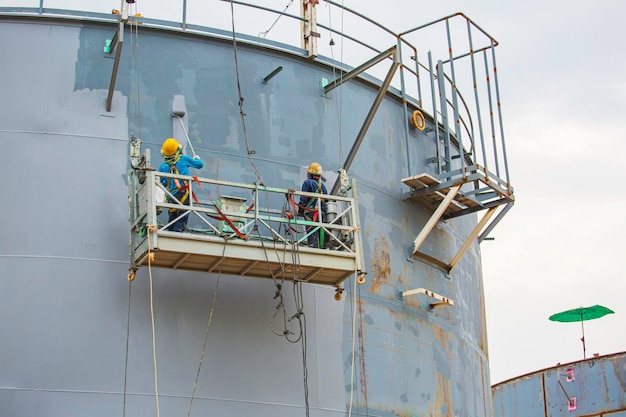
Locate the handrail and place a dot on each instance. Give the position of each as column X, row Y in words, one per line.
column 214, row 215
column 407, row 37
column 425, row 25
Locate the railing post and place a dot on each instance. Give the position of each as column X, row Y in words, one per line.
column 443, row 101
column 309, row 31
column 455, row 104
column 495, row 81
column 491, row 120
column 476, row 98
column 151, row 201
column 404, row 106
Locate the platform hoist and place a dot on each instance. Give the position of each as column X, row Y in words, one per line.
column 241, row 229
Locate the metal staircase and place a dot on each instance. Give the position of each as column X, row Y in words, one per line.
column 468, row 143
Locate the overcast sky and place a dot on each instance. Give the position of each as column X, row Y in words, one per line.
column 562, row 70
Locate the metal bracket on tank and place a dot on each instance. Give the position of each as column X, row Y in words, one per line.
column 116, row 44
column 443, row 301
column 390, row 53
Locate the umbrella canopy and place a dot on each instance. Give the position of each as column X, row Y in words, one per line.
column 581, row 314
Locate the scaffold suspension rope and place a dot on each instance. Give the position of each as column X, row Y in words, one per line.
column 206, row 337
column 154, row 358
column 249, row 152
column 127, row 340
column 134, row 57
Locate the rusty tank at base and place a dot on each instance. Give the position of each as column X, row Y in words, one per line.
column 407, row 336
column 594, row 386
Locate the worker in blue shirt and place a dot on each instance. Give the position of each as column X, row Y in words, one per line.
column 309, row 207
column 177, row 163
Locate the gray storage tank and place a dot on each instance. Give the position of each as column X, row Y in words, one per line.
column 591, row 387
column 79, row 338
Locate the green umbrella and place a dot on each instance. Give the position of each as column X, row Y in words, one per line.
column 581, row 314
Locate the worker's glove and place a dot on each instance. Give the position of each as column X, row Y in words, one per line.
column 196, row 157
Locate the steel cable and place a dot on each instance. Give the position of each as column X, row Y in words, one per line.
column 206, row 336
column 241, row 112
column 127, row 340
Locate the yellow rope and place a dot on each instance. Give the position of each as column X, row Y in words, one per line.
column 152, row 228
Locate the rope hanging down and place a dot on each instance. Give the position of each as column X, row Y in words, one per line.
column 206, row 336
column 127, row 342
column 135, row 81
column 301, row 335
column 297, row 283
column 156, row 378
column 134, row 65
column 332, row 54
column 241, row 112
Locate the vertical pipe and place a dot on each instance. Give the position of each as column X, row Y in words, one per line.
column 476, row 98
column 493, row 127
column 441, row 78
column 455, row 104
column 184, row 14
column 435, row 118
column 40, row 7
column 495, row 81
column 406, row 113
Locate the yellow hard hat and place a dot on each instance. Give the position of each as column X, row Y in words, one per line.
column 170, row 147
column 315, row 169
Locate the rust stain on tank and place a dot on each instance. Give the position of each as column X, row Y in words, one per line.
column 444, row 398
column 380, row 264
column 482, row 321
column 619, row 365
column 442, row 337
column 361, row 341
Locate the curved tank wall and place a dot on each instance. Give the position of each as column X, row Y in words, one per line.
column 591, row 387
column 64, row 296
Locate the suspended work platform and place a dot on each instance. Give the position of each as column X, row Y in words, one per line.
column 247, row 230
column 252, row 258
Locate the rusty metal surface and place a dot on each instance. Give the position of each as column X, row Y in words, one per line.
column 596, row 385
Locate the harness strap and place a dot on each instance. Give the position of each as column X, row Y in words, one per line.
column 179, row 186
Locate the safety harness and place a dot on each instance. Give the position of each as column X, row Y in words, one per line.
column 309, row 207
column 179, row 186
column 313, row 201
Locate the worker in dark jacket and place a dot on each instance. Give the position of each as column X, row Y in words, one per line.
column 314, row 209
column 177, row 163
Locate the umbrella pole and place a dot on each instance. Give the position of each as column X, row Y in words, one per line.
column 583, row 338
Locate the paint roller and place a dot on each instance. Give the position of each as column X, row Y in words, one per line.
column 179, row 114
